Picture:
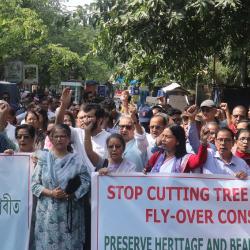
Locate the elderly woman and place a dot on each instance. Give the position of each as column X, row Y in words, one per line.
column 243, row 145
column 116, row 163
column 60, row 181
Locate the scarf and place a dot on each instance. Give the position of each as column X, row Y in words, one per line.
column 244, row 156
column 178, row 166
column 63, row 169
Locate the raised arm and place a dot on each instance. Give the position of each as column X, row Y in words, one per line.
column 192, row 133
column 4, row 110
column 92, row 155
column 65, row 102
column 197, row 160
column 225, row 108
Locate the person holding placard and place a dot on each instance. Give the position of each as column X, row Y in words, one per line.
column 173, row 158
column 60, row 181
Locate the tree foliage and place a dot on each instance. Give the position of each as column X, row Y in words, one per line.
column 59, row 42
column 174, row 39
column 21, row 30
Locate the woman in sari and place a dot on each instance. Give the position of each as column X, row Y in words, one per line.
column 115, row 162
column 173, row 157
column 59, row 182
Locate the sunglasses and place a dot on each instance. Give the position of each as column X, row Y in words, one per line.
column 128, row 127
column 155, row 126
column 206, row 109
column 25, row 137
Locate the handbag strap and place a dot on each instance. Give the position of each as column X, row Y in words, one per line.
column 69, row 215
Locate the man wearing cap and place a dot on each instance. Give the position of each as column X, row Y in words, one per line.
column 208, row 110
column 162, row 100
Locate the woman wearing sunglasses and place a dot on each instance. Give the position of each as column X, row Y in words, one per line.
column 25, row 136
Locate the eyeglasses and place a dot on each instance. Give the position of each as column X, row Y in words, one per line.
column 25, row 137
column 226, row 140
column 60, row 136
column 243, row 139
column 128, row 127
column 239, row 116
column 155, row 126
column 206, row 109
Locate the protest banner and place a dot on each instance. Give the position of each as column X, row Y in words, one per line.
column 15, row 201
column 170, row 211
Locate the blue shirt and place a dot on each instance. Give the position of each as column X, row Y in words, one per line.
column 215, row 165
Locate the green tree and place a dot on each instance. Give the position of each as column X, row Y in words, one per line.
column 59, row 42
column 174, row 39
column 21, row 30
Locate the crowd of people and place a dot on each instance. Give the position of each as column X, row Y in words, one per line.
column 69, row 141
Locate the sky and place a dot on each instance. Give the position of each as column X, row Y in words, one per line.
column 72, row 4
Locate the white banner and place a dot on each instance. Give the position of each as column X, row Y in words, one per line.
column 15, row 202
column 167, row 212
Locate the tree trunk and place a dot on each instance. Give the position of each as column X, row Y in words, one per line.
column 243, row 69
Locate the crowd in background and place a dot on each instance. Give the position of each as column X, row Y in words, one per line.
column 69, row 141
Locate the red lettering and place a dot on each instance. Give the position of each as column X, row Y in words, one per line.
column 180, row 216
column 111, row 193
column 138, row 191
column 148, row 214
column 149, row 195
column 231, row 194
column 126, row 192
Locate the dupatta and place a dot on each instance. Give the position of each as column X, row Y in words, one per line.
column 63, row 169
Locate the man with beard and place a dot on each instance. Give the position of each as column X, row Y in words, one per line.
column 89, row 113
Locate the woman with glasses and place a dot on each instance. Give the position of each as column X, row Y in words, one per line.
column 115, row 162
column 25, row 136
column 243, row 145
column 59, row 182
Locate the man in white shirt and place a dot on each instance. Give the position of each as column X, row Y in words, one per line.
column 222, row 161
column 87, row 114
column 146, row 142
